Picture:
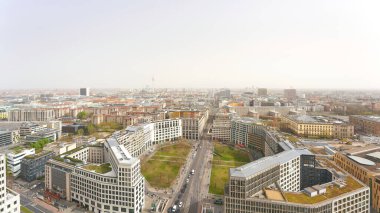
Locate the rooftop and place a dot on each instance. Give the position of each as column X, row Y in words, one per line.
column 367, row 157
column 368, row 117
column 265, row 163
column 331, row 192
column 98, row 168
column 315, row 119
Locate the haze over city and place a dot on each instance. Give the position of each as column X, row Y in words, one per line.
column 205, row 44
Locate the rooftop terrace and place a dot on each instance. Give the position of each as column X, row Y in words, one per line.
column 331, row 192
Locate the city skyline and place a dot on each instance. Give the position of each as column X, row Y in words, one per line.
column 194, row 44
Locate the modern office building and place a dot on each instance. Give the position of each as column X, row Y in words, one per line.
column 136, row 139
column 363, row 163
column 318, row 126
column 33, row 166
column 31, row 114
column 167, row 130
column 139, row 138
column 84, row 91
column 262, row 91
column 101, row 178
column 5, row 138
column 15, row 157
column 242, row 130
column 366, row 124
column 193, row 122
column 9, row 200
column 290, row 182
column 290, row 94
column 221, row 127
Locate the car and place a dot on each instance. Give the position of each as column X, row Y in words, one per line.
column 174, row 209
column 192, row 171
column 218, row 202
column 180, row 204
column 187, row 180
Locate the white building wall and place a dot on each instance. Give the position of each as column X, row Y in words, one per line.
column 290, row 175
column 9, row 200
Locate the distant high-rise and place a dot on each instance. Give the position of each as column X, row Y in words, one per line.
column 262, row 92
column 84, row 91
column 290, row 94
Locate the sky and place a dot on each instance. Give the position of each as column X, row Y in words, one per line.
column 195, row 44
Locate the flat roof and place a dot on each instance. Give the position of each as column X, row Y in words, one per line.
column 315, row 119
column 265, row 163
column 374, row 155
column 273, row 195
column 368, row 117
column 361, row 160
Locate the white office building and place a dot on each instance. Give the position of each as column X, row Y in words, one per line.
column 14, row 159
column 167, row 130
column 103, row 178
column 9, row 200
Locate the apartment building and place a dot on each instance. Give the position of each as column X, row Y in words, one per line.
column 290, row 182
column 33, row 166
column 15, row 157
column 221, row 127
column 363, row 164
column 102, row 178
column 31, row 114
column 9, row 199
column 366, row 124
column 167, row 130
column 318, row 126
column 193, row 122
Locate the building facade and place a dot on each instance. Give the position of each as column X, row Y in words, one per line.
column 84, row 91
column 362, row 163
column 273, row 184
column 5, row 138
column 221, row 127
column 317, row 126
column 366, row 124
column 31, row 114
column 33, row 166
column 9, row 200
column 117, row 187
column 14, row 159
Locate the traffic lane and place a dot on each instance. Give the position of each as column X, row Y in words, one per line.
column 195, row 190
column 28, row 203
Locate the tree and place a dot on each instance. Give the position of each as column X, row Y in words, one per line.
column 90, row 129
column 80, row 132
column 82, row 115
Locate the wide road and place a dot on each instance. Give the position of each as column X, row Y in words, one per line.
column 193, row 195
column 28, row 203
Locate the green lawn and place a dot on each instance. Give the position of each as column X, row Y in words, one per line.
column 101, row 169
column 25, row 210
column 227, row 153
column 225, row 158
column 162, row 168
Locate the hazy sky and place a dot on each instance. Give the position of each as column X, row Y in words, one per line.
column 266, row 43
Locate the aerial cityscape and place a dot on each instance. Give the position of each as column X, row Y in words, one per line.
column 193, row 107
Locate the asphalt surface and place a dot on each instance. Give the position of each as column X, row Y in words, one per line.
column 28, row 203
column 193, row 196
